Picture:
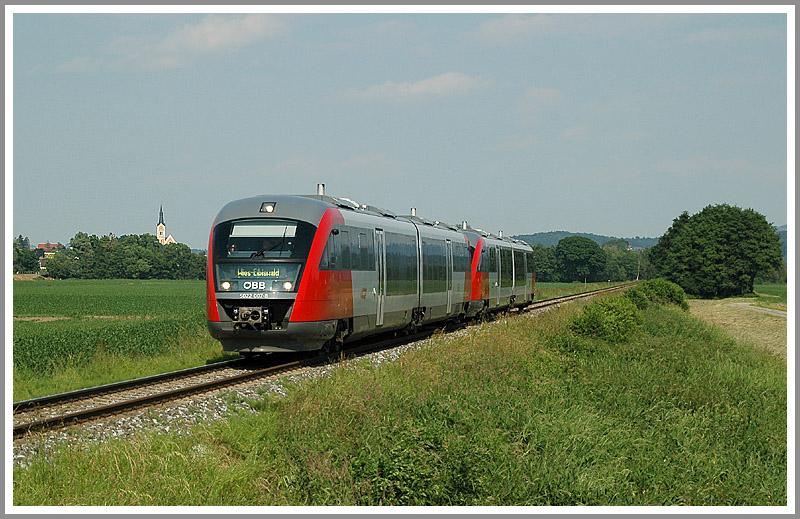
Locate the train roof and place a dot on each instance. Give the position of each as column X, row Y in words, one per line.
column 310, row 208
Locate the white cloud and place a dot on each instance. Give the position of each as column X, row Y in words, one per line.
column 575, row 133
column 449, row 83
column 212, row 34
column 536, row 98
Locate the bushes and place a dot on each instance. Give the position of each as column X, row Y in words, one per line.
column 613, row 319
column 659, row 291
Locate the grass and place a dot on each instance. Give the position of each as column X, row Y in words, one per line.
column 744, row 323
column 549, row 290
column 71, row 334
column 516, row 412
column 771, row 295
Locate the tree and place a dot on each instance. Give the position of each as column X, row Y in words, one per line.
column 579, row 259
column 24, row 258
column 544, row 259
column 717, row 252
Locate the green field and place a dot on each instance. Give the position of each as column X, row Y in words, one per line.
column 77, row 333
column 520, row 411
column 771, row 295
column 89, row 332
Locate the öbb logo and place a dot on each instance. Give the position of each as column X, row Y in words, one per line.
column 254, row 285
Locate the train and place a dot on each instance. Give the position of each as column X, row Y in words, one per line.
column 290, row 273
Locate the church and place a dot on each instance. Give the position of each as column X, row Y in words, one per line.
column 161, row 229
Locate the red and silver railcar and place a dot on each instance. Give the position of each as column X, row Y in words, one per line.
column 502, row 272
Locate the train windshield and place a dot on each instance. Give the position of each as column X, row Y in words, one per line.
column 263, row 239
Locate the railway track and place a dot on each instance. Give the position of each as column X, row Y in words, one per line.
column 55, row 411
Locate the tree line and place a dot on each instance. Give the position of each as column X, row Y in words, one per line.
column 577, row 258
column 720, row 251
column 133, row 256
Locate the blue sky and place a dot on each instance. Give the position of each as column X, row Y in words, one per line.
column 611, row 124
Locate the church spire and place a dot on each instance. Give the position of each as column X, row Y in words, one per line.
column 161, row 215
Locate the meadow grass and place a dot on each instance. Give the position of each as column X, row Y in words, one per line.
column 520, row 411
column 771, row 295
column 556, row 289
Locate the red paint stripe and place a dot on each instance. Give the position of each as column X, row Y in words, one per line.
column 323, row 294
column 211, row 295
column 478, row 278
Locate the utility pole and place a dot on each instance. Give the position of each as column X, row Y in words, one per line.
column 638, row 258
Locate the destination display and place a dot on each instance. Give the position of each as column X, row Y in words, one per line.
column 270, row 277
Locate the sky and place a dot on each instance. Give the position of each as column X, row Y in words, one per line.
column 611, row 124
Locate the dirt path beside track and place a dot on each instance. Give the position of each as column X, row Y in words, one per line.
column 763, row 328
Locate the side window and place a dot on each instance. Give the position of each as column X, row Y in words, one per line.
column 529, row 261
column 519, row 267
column 483, row 263
column 506, row 274
column 343, row 240
column 329, row 255
column 492, row 260
column 366, row 251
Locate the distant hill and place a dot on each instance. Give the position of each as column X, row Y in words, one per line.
column 781, row 230
column 552, row 238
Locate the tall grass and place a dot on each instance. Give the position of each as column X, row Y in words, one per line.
column 521, row 411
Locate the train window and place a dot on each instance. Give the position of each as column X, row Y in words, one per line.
column 460, row 258
column 366, row 252
column 519, row 267
column 529, row 262
column 343, row 242
column 492, row 260
column 483, row 262
column 434, row 266
column 329, row 255
column 506, row 274
column 401, row 264
column 262, row 239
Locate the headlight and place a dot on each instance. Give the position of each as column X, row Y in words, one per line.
column 226, row 285
column 287, row 285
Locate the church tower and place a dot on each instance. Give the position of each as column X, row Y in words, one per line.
column 161, row 229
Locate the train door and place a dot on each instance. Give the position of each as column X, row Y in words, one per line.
column 499, row 281
column 380, row 292
column 449, row 275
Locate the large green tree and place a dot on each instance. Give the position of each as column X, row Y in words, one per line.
column 580, row 259
column 717, row 252
column 25, row 260
column 544, row 259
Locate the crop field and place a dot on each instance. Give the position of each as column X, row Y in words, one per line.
column 70, row 334
column 77, row 333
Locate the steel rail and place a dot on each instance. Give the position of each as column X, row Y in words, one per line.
column 114, row 387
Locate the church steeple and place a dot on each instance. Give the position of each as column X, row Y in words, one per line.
column 161, row 229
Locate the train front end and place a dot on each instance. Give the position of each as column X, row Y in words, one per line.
column 259, row 250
